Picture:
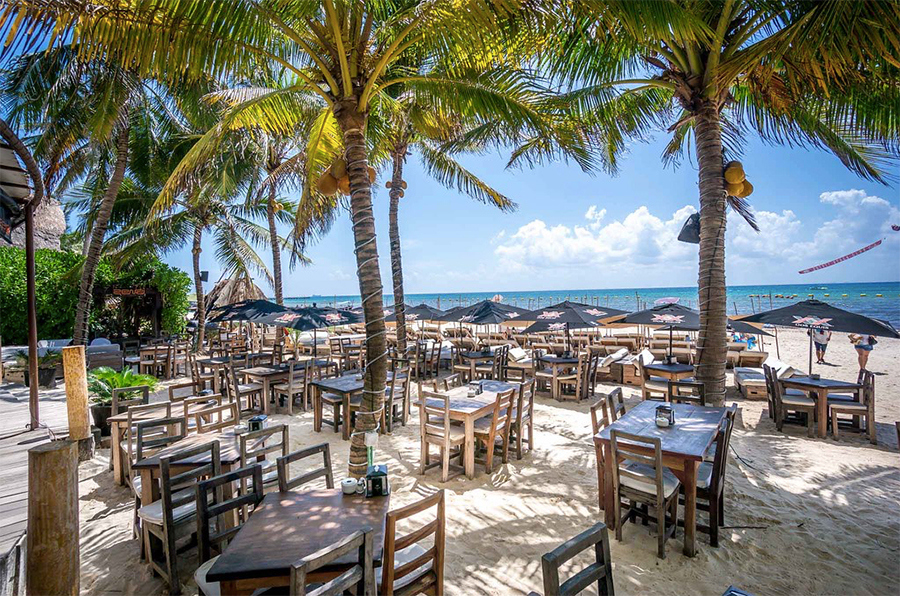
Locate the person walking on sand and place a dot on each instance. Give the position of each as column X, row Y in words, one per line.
column 864, row 345
column 820, row 338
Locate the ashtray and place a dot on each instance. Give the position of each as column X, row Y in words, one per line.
column 815, row 377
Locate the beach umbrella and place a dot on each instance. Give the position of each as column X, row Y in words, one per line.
column 669, row 316
column 245, row 310
column 567, row 316
column 815, row 314
column 485, row 312
column 422, row 312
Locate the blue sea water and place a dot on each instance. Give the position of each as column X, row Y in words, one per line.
column 874, row 299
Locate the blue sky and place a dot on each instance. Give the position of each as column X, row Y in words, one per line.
column 575, row 231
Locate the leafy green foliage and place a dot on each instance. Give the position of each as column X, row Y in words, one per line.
column 102, row 381
column 48, row 360
column 57, row 292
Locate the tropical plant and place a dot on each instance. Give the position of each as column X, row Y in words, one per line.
column 102, row 381
column 816, row 74
column 50, row 359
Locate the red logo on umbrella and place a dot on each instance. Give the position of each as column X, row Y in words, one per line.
column 334, row 317
column 810, row 321
column 550, row 314
column 287, row 318
column 668, row 319
column 557, row 326
column 595, row 312
column 512, row 315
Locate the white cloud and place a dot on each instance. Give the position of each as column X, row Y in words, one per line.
column 595, row 216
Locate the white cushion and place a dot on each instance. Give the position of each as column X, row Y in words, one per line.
column 153, row 513
column 797, row 400
column 207, row 588
column 410, row 553
column 656, row 384
column 704, row 475
column 782, row 370
column 646, row 357
column 517, row 354
column 745, row 375
column 849, row 405
column 670, row 482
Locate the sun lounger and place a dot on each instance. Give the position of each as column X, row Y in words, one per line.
column 752, row 382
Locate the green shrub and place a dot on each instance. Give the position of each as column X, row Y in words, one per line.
column 56, row 282
column 102, row 381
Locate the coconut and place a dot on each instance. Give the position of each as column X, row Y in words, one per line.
column 387, row 184
column 403, row 184
column 401, row 194
column 734, row 190
column 279, row 207
column 344, row 185
column 372, row 174
column 746, row 190
column 327, row 184
column 734, row 172
column 339, row 168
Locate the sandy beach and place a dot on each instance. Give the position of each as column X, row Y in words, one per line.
column 803, row 516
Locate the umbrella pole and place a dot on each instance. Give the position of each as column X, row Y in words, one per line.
column 810, row 350
column 670, row 344
column 777, row 348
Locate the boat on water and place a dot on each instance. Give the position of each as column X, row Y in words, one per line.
column 819, row 288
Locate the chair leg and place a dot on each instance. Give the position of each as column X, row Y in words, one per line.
column 834, row 427
column 336, row 416
column 870, row 427
column 661, row 529
column 714, row 522
column 172, row 564
column 810, row 424
column 445, row 464
column 423, row 458
column 721, row 516
column 519, row 441
column 617, row 511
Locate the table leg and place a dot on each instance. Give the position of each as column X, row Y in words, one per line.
column 265, row 395
column 317, row 408
column 470, row 447
column 116, row 456
column 822, row 412
column 345, row 414
column 609, row 491
column 554, row 388
column 472, row 369
column 690, row 507
column 215, row 379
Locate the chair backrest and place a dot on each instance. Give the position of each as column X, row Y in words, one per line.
column 449, row 382
column 218, row 418
column 172, row 485
column 396, row 388
column 634, row 450
column 501, row 362
column 361, row 573
column 615, row 402
column 144, row 412
column 434, row 416
column 196, row 404
column 212, row 505
column 153, row 435
column 868, row 389
column 687, row 392
column 425, row 573
column 286, row 483
column 502, row 410
column 120, row 405
column 277, row 353
column 599, row 571
column 258, row 444
column 723, row 440
column 525, row 400
column 600, row 415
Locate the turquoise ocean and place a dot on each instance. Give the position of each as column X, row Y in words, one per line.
column 874, row 299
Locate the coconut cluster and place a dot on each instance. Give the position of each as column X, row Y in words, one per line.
column 337, row 178
column 736, row 183
column 402, row 186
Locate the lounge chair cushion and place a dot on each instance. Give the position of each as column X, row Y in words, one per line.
column 517, row 354
column 656, row 384
column 670, row 482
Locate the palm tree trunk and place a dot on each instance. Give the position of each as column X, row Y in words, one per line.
column 711, row 344
column 92, row 258
column 399, row 156
column 198, row 287
column 276, row 250
column 352, row 124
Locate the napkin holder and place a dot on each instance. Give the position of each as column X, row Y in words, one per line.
column 665, row 416
column 377, row 483
column 258, row 422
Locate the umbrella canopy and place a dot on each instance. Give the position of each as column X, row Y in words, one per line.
column 484, row 313
column 310, row 318
column 815, row 314
column 742, row 327
column 568, row 315
column 422, row 312
column 666, row 316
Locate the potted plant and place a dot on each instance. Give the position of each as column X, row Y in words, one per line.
column 47, row 365
column 102, row 381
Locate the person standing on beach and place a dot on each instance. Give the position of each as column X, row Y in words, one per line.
column 820, row 338
column 864, row 345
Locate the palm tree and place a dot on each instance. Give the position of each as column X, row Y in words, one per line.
column 339, row 50
column 820, row 74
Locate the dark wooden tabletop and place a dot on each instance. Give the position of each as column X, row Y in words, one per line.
column 477, row 355
column 213, row 361
column 290, row 526
column 266, row 371
column 694, row 431
column 670, row 368
column 347, row 384
column 229, row 450
column 553, row 359
column 820, row 383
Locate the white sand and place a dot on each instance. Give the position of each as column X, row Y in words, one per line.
column 803, row 516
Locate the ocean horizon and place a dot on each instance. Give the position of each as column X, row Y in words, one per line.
column 879, row 300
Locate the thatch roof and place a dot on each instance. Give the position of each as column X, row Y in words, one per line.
column 229, row 291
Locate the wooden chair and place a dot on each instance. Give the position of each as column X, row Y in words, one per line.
column 199, row 381
column 644, row 482
column 297, row 385
column 543, row 375
column 196, row 406
column 409, row 568
column 615, row 400
column 600, row 419
column 135, row 415
column 771, row 377
column 490, row 429
column 786, row 403
column 449, row 382
column 396, row 394
column 172, row 517
column 522, row 424
column 600, row 571
column 252, row 392
column 435, row 429
column 711, row 480
column 286, row 483
column 218, row 418
column 864, row 408
column 651, row 385
column 577, row 380
column 461, row 366
column 360, row 576
column 120, row 405
column 258, row 444
column 214, row 529
column 686, row 392
column 154, row 360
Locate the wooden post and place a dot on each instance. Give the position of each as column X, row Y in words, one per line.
column 75, row 372
column 53, row 561
column 31, row 299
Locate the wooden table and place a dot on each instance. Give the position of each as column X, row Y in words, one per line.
column 289, row 526
column 266, row 375
column 819, row 389
column 346, row 386
column 683, row 447
column 474, row 357
column 557, row 364
column 673, row 372
column 470, row 409
column 215, row 364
